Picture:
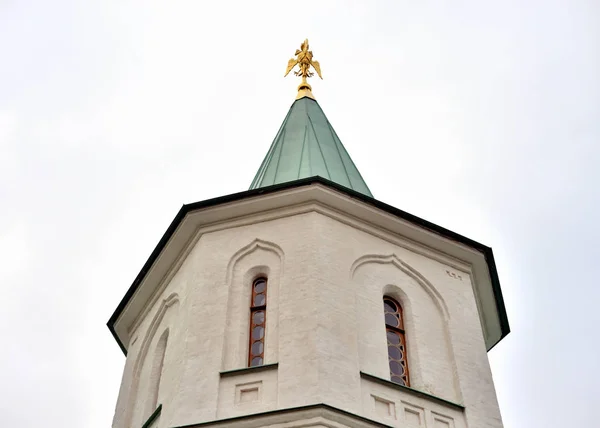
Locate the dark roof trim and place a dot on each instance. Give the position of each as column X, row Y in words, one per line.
column 502, row 315
column 288, row 410
column 152, row 417
column 185, row 209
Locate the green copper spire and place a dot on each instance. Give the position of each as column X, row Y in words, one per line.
column 306, row 145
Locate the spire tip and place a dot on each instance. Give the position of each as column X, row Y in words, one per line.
column 304, row 60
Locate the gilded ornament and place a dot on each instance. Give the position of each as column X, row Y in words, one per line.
column 304, row 61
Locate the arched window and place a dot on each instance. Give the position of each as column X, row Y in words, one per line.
column 396, row 341
column 258, row 315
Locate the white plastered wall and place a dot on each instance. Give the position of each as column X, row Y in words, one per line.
column 327, row 278
column 133, row 406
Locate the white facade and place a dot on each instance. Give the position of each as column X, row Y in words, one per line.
column 186, row 327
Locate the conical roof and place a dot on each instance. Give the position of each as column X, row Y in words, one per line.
column 306, row 146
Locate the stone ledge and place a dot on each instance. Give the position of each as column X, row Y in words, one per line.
column 412, row 391
column 245, row 370
column 314, row 415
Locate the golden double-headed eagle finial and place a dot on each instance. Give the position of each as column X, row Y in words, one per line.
column 304, row 60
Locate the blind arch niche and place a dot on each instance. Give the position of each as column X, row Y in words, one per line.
column 430, row 356
column 255, row 260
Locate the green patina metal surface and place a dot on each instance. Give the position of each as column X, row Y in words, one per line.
column 306, row 146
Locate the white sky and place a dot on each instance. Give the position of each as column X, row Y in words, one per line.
column 480, row 116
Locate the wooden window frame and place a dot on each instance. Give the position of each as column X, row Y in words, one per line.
column 401, row 333
column 253, row 310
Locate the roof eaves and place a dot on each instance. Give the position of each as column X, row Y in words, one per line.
column 187, row 208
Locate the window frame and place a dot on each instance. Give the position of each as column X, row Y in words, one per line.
column 253, row 310
column 400, row 332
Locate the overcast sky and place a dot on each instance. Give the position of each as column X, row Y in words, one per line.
column 483, row 117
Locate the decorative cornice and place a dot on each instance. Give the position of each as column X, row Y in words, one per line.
column 360, row 206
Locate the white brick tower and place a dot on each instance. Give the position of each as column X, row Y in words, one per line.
column 305, row 302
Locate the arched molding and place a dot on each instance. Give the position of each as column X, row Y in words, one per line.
column 414, row 335
column 242, row 270
column 156, row 369
column 158, row 317
column 249, row 249
column 166, row 303
column 408, row 270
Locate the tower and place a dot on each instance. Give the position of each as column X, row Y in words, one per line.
column 305, row 302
